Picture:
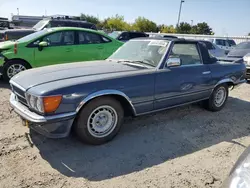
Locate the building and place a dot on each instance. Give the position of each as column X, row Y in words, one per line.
column 22, row 21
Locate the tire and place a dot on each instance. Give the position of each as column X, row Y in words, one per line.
column 99, row 121
column 215, row 103
column 16, row 64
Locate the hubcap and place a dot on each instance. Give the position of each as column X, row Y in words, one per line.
column 220, row 97
column 14, row 69
column 102, row 121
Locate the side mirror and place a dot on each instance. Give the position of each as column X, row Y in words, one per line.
column 43, row 44
column 173, row 62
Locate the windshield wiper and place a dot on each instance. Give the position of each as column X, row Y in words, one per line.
column 136, row 62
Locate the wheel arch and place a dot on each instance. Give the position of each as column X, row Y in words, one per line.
column 227, row 81
column 18, row 59
column 118, row 95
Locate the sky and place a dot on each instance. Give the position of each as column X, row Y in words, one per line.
column 226, row 17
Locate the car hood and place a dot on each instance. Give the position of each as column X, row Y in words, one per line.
column 238, row 52
column 6, row 45
column 82, row 70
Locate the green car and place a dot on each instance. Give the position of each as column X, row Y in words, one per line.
column 54, row 46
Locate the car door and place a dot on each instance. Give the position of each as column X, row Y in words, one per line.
column 185, row 83
column 91, row 46
column 60, row 49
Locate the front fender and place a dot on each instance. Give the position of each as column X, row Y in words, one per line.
column 105, row 93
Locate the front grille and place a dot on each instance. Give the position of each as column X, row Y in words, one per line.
column 248, row 71
column 20, row 94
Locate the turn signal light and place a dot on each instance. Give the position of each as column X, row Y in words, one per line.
column 51, row 103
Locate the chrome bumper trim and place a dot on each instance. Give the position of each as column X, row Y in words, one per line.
column 25, row 113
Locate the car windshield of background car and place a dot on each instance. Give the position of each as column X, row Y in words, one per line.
column 150, row 51
column 40, row 25
column 32, row 36
column 243, row 45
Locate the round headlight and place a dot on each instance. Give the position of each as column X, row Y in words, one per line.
column 33, row 102
column 39, row 105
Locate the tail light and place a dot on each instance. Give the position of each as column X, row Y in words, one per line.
column 6, row 37
column 15, row 48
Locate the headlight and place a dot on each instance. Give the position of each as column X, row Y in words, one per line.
column 43, row 104
column 241, row 174
column 246, row 59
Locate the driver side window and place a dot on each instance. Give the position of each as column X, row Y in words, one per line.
column 188, row 54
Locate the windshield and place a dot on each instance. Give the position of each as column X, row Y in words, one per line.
column 243, row 45
column 32, row 36
column 149, row 51
column 40, row 25
column 114, row 34
column 231, row 43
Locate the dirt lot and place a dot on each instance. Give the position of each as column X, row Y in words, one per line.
column 182, row 147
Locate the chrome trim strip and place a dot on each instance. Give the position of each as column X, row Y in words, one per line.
column 149, row 112
column 102, row 93
column 183, row 95
column 25, row 113
column 17, row 85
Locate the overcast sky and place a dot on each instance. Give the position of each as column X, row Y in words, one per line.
column 226, row 17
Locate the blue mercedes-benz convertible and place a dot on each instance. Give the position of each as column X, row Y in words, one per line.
column 143, row 76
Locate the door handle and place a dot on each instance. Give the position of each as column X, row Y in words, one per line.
column 100, row 47
column 68, row 50
column 207, row 72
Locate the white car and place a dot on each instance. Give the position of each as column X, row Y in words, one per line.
column 213, row 49
column 225, row 44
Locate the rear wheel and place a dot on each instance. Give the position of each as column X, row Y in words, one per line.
column 217, row 99
column 99, row 121
column 13, row 67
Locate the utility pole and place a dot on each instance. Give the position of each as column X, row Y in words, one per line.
column 192, row 21
column 17, row 11
column 182, row 1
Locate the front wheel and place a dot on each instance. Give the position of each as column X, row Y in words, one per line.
column 217, row 99
column 99, row 121
column 13, row 67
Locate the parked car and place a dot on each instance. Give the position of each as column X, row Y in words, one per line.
column 125, row 36
column 53, row 46
column 246, row 59
column 143, row 76
column 240, row 50
column 14, row 34
column 213, row 49
column 239, row 176
column 225, row 44
column 162, row 36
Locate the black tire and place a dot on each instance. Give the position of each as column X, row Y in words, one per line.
column 82, row 128
column 211, row 104
column 9, row 63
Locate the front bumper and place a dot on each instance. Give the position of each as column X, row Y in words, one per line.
column 54, row 126
column 248, row 73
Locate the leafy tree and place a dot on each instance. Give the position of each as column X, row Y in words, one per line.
column 184, row 28
column 90, row 18
column 168, row 29
column 202, row 28
column 144, row 25
column 116, row 23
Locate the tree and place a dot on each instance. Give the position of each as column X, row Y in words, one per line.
column 248, row 34
column 168, row 29
column 184, row 28
column 116, row 23
column 90, row 18
column 202, row 28
column 144, row 25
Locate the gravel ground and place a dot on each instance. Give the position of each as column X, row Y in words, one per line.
column 182, row 147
